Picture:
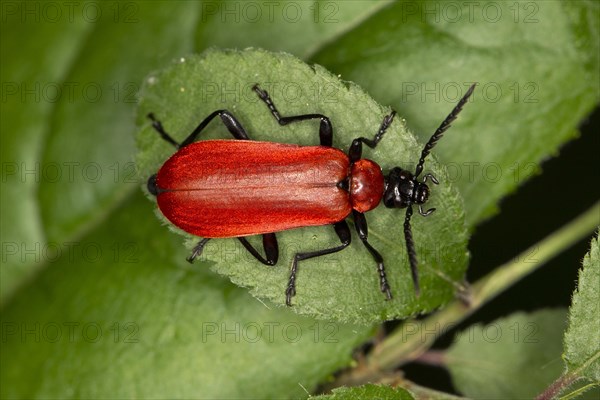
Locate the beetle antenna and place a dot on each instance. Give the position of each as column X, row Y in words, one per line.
column 441, row 129
column 410, row 249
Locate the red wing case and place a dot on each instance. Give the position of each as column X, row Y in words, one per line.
column 228, row 188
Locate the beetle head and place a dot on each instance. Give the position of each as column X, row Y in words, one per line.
column 403, row 189
column 152, row 186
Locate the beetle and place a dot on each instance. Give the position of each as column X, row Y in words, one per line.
column 237, row 188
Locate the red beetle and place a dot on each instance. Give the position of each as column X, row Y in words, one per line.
column 238, row 188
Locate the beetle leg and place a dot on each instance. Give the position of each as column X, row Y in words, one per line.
column 197, row 250
column 325, row 129
column 363, row 232
column 355, row 151
column 342, row 231
column 156, row 124
column 233, row 125
column 269, row 244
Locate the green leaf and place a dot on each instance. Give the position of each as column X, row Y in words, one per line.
column 369, row 391
column 67, row 142
column 29, row 81
column 582, row 338
column 343, row 286
column 513, row 357
column 122, row 315
column 537, row 68
column 102, row 112
column 300, row 28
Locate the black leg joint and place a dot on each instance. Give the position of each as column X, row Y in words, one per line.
column 270, row 246
column 233, row 126
column 325, row 129
column 355, row 151
column 231, row 123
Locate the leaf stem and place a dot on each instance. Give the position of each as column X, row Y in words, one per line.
column 413, row 338
column 557, row 387
column 565, row 380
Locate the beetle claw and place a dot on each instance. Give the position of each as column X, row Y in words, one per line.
column 289, row 293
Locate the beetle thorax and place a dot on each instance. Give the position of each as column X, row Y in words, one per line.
column 366, row 185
